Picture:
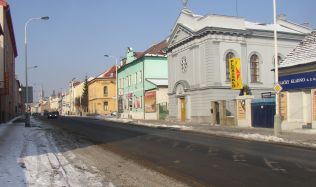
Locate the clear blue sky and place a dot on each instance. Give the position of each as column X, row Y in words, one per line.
column 73, row 42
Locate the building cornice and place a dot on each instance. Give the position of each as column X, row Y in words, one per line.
column 234, row 32
column 215, row 87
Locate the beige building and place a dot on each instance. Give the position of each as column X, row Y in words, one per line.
column 102, row 93
column 78, row 91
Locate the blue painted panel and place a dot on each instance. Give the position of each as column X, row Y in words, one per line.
column 265, row 100
column 298, row 81
column 262, row 114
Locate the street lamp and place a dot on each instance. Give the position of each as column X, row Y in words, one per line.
column 27, row 117
column 72, row 95
column 116, row 82
column 277, row 118
column 32, row 67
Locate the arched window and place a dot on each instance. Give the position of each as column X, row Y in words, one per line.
column 105, row 91
column 254, row 68
column 229, row 55
column 280, row 59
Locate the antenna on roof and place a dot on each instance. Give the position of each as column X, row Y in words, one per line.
column 237, row 8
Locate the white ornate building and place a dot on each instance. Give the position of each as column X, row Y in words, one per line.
column 198, row 52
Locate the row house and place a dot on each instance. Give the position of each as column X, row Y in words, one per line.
column 142, row 83
column 102, row 92
column 199, row 50
column 10, row 103
column 78, row 91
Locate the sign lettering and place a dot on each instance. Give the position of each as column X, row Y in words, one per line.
column 235, row 73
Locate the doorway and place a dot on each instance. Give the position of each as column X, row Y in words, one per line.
column 218, row 121
column 183, row 109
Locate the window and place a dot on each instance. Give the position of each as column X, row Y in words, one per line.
column 129, row 80
column 105, row 91
column 229, row 55
column 254, row 68
column 106, row 106
column 141, row 102
column 140, row 76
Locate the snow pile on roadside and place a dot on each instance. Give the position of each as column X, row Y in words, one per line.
column 30, row 157
column 260, row 137
column 182, row 127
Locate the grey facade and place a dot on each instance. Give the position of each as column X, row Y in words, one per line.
column 197, row 53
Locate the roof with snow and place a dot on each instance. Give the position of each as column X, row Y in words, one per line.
column 110, row 73
column 196, row 22
column 157, row 49
column 158, row 82
column 303, row 53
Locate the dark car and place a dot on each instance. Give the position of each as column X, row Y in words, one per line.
column 52, row 115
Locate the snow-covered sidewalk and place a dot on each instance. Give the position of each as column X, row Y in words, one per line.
column 30, row 157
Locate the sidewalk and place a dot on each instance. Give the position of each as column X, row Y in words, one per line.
column 31, row 157
column 301, row 137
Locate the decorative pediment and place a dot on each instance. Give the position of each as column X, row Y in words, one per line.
column 179, row 34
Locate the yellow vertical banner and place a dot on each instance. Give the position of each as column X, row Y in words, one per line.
column 235, row 73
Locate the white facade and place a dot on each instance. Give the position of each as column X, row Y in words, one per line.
column 198, row 49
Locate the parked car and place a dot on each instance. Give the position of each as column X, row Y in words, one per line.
column 52, row 115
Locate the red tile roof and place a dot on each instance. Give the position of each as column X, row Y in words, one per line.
column 109, row 73
column 76, row 83
column 138, row 54
column 3, row 2
column 158, row 49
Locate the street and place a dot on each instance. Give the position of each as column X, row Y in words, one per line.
column 190, row 158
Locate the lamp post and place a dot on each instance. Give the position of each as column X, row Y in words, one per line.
column 27, row 117
column 116, row 82
column 277, row 118
column 72, row 96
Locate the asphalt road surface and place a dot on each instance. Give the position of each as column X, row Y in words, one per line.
column 197, row 159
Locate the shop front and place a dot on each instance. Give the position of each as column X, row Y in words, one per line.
column 298, row 100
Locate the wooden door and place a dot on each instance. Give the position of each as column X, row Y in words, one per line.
column 183, row 109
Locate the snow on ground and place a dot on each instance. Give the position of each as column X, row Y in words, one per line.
column 182, row 127
column 29, row 157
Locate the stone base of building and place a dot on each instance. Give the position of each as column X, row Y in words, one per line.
column 193, row 120
column 139, row 115
column 285, row 125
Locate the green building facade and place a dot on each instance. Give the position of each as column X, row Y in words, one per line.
column 142, row 82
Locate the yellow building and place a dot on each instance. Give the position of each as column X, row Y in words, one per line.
column 102, row 93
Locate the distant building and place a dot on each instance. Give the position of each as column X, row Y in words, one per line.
column 142, row 83
column 297, row 76
column 102, row 92
column 199, row 50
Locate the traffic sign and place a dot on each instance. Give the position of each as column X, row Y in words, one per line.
column 277, row 88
